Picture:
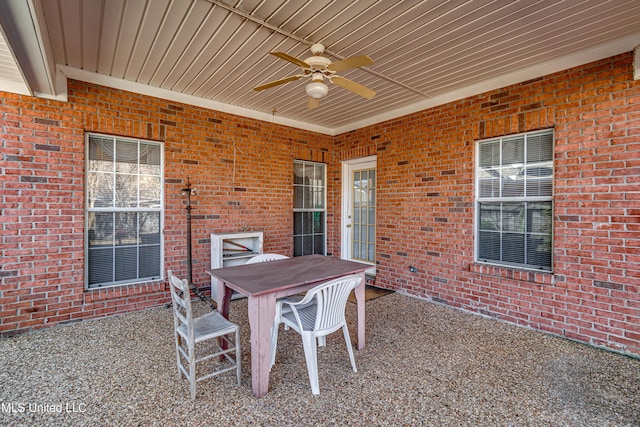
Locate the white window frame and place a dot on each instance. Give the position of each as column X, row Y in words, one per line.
column 514, row 199
column 159, row 208
column 312, row 209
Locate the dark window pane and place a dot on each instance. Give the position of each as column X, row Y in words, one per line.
column 307, row 222
column 490, row 216
column 307, row 245
column 513, row 248
column 297, row 223
column 513, row 217
column 100, row 228
column 539, row 251
column 297, row 246
column 100, row 265
column 126, row 263
column 318, row 222
column 149, row 261
column 318, row 244
column 149, row 227
column 539, row 218
column 489, row 247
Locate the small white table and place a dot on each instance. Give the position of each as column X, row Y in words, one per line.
column 264, row 282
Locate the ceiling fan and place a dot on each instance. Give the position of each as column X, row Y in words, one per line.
column 318, row 68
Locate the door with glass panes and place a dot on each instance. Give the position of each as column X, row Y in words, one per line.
column 359, row 210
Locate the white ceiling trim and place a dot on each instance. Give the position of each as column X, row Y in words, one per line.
column 99, row 79
column 636, row 63
column 550, row 67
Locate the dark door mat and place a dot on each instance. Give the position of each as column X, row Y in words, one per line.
column 371, row 292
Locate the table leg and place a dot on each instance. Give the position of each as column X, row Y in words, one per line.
column 262, row 310
column 223, row 297
column 360, row 304
column 223, row 300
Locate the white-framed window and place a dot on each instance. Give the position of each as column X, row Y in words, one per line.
column 514, row 200
column 124, row 210
column 309, row 208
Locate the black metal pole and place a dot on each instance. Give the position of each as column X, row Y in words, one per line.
column 193, row 287
column 187, row 190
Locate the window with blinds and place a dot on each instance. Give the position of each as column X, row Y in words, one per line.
column 514, row 200
column 309, row 208
column 123, row 211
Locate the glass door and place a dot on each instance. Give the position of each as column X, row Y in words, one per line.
column 359, row 210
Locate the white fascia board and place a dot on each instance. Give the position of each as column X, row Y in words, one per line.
column 99, row 79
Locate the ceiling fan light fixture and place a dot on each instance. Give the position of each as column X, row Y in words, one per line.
column 317, row 90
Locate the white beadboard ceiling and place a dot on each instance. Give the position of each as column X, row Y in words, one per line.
column 212, row 53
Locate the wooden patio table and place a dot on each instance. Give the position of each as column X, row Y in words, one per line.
column 264, row 282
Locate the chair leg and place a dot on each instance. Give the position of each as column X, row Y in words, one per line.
column 192, row 371
column 349, row 347
column 311, row 355
column 238, row 356
column 178, row 356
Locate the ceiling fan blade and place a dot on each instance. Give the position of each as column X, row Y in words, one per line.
column 278, row 82
column 290, row 58
column 354, row 87
column 312, row 102
column 353, row 62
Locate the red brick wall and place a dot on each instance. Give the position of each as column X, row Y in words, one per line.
column 424, row 197
column 426, row 193
column 42, row 194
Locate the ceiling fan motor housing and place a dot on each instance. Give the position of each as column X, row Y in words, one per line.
column 317, row 49
column 318, row 62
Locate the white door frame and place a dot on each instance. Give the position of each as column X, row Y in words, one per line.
column 348, row 166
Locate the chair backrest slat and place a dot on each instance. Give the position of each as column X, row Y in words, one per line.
column 265, row 258
column 182, row 306
column 331, row 299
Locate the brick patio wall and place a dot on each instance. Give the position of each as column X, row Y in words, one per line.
column 242, row 169
column 425, row 204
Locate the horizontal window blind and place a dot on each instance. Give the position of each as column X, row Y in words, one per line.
column 124, row 210
column 514, row 200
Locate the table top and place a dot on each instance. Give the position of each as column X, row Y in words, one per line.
column 265, row 277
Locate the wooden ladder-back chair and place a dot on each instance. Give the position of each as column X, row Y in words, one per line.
column 190, row 332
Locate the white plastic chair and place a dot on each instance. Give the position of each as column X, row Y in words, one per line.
column 190, row 331
column 316, row 321
column 265, row 258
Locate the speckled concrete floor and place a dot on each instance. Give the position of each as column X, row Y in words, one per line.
column 424, row 364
